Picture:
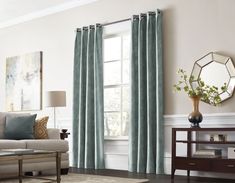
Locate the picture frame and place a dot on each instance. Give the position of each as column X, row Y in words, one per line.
column 24, row 82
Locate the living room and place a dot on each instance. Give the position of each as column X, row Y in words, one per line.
column 190, row 30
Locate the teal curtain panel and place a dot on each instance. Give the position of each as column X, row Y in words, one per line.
column 146, row 138
column 88, row 106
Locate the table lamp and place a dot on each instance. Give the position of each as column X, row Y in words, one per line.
column 55, row 99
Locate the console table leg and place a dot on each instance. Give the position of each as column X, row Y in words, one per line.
column 188, row 173
column 20, row 162
column 58, row 167
column 172, row 173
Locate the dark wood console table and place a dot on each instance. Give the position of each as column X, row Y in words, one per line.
column 188, row 162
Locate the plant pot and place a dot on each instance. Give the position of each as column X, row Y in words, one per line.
column 195, row 117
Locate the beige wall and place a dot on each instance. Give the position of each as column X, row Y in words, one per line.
column 192, row 28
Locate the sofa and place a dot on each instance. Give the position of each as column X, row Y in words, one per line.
column 43, row 165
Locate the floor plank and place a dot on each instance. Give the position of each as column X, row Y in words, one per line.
column 152, row 177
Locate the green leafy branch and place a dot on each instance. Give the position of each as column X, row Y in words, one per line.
column 208, row 94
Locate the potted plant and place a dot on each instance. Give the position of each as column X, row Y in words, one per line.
column 206, row 93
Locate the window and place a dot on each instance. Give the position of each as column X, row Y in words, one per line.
column 116, row 85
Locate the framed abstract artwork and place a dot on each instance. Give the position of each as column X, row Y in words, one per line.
column 24, row 82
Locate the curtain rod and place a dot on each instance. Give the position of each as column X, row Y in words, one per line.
column 119, row 21
column 111, row 23
column 115, row 22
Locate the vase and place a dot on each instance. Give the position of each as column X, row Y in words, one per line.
column 195, row 117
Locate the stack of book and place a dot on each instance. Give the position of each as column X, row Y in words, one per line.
column 208, row 153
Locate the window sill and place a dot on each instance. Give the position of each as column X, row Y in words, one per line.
column 116, row 138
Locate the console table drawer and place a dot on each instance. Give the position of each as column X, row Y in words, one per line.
column 224, row 166
column 192, row 164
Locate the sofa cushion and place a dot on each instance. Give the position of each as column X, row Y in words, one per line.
column 12, row 144
column 40, row 128
column 53, row 133
column 19, row 127
column 47, row 144
column 3, row 121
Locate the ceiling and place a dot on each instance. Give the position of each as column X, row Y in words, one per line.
column 17, row 11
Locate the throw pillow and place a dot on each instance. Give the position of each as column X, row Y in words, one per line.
column 3, row 120
column 40, row 128
column 19, row 127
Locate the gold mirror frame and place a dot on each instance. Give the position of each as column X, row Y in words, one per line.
column 216, row 69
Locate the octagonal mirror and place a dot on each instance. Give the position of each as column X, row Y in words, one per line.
column 215, row 70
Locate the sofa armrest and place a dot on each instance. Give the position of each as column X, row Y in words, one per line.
column 53, row 133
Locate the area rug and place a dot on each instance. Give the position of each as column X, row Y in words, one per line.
column 80, row 178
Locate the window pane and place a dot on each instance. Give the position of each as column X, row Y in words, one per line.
column 125, row 123
column 112, row 124
column 112, row 48
column 116, row 85
column 126, row 71
column 112, row 99
column 112, row 73
column 126, row 47
column 125, row 98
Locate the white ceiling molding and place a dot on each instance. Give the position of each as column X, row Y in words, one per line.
column 45, row 12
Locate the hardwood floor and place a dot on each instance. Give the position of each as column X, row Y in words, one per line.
column 152, row 177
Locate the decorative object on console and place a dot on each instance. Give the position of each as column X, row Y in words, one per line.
column 208, row 153
column 55, row 99
column 218, row 137
column 202, row 91
column 195, row 117
column 24, row 82
column 231, row 152
column 40, row 128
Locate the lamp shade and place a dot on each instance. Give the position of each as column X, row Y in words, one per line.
column 55, row 99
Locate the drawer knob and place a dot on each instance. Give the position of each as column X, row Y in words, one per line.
column 192, row 164
column 230, row 166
